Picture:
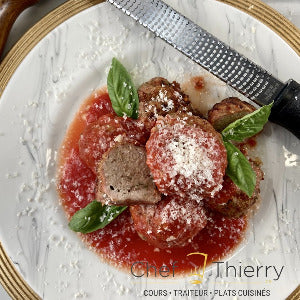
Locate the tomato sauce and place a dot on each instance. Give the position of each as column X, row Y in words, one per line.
column 198, row 82
column 118, row 243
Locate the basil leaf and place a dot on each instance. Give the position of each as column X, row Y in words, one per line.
column 94, row 216
column 239, row 169
column 249, row 125
column 110, row 213
column 122, row 92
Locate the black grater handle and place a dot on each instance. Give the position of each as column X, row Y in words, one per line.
column 286, row 108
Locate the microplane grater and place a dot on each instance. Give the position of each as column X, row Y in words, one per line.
column 218, row 58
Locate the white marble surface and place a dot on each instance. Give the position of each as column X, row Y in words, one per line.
column 291, row 9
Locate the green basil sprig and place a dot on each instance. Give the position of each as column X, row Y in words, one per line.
column 239, row 168
column 247, row 126
column 94, row 216
column 122, row 92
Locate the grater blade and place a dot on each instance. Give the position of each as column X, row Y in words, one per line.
column 205, row 49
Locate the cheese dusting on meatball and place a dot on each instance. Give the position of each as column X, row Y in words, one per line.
column 186, row 157
column 191, row 159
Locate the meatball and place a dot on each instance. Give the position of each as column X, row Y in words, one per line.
column 159, row 97
column 228, row 111
column 104, row 133
column 231, row 201
column 172, row 222
column 186, row 156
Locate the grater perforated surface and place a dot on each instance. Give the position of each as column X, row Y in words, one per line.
column 203, row 48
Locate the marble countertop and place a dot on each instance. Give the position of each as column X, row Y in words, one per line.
column 289, row 8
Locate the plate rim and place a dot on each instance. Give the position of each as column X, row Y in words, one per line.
column 10, row 278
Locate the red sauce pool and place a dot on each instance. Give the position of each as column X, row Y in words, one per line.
column 252, row 142
column 198, row 82
column 118, row 243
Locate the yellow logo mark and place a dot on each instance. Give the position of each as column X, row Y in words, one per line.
column 200, row 274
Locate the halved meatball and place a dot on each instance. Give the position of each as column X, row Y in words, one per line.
column 104, row 133
column 125, row 177
column 172, row 222
column 159, row 97
column 228, row 111
column 186, row 156
column 231, row 201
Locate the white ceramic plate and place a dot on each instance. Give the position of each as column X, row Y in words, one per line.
column 39, row 103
